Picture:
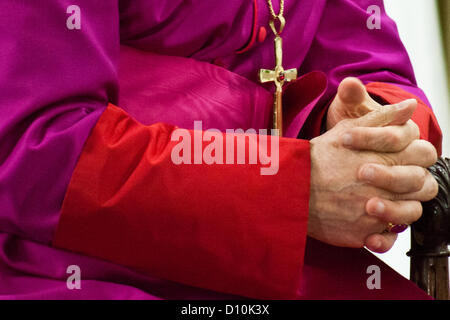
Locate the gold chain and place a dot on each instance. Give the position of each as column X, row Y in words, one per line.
column 282, row 22
column 272, row 12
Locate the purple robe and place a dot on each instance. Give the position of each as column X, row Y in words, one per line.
column 56, row 82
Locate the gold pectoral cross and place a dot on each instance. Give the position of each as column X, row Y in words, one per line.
column 280, row 77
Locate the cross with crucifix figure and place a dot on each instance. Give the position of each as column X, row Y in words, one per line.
column 279, row 76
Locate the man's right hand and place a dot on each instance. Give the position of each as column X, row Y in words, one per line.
column 356, row 193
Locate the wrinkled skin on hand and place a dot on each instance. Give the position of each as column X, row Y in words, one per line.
column 367, row 170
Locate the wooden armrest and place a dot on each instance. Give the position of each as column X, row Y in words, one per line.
column 430, row 237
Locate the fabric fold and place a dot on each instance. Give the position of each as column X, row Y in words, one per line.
column 130, row 204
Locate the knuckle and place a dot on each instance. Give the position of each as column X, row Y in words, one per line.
column 434, row 189
column 394, row 211
column 396, row 197
column 392, row 139
column 370, row 141
column 430, row 190
column 420, row 152
column 428, row 152
column 365, row 140
column 388, row 160
column 388, row 177
column 384, row 116
column 345, row 123
column 419, row 179
column 396, row 140
column 422, row 176
column 433, row 155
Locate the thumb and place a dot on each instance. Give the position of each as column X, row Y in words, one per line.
column 352, row 93
column 352, row 101
column 396, row 114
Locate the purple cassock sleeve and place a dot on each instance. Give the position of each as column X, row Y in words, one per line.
column 344, row 46
column 54, row 84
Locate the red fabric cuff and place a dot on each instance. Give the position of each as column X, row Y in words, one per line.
column 423, row 116
column 221, row 227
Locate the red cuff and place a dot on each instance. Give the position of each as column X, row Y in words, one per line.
column 423, row 116
column 221, row 227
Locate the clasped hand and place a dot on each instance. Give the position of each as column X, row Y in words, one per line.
column 367, row 170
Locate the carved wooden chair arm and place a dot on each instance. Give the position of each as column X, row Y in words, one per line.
column 430, row 237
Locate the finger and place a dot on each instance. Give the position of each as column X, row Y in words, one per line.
column 382, row 139
column 428, row 192
column 396, row 179
column 396, row 212
column 396, row 114
column 380, row 243
column 419, row 153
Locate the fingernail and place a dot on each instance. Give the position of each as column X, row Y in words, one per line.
column 379, row 209
column 368, row 173
column 347, row 139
